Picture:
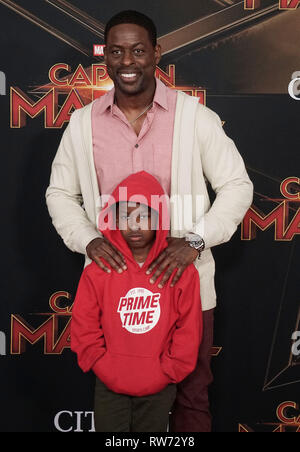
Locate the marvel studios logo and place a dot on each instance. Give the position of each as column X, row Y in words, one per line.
column 98, row 49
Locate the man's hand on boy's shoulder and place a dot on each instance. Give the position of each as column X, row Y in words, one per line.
column 178, row 255
column 102, row 248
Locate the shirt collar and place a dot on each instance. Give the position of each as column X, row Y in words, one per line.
column 160, row 97
column 107, row 101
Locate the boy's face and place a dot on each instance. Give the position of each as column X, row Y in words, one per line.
column 135, row 224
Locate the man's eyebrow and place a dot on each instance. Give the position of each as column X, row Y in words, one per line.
column 121, row 47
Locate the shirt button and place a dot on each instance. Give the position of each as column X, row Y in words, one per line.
column 136, row 146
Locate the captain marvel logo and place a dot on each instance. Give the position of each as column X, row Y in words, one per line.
column 139, row 310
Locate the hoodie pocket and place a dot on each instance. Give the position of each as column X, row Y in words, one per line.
column 133, row 375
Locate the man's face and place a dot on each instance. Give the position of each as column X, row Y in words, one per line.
column 131, row 58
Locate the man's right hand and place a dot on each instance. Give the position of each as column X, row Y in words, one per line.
column 101, row 247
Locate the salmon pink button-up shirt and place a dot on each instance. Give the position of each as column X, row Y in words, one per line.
column 119, row 152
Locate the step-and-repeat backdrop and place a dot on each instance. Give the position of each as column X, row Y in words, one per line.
column 241, row 58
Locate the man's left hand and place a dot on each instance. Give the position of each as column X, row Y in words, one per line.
column 178, row 255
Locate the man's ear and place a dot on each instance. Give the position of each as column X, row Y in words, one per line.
column 157, row 51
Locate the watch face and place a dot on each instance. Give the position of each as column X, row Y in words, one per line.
column 196, row 245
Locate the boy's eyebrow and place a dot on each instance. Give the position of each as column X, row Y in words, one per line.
column 139, row 211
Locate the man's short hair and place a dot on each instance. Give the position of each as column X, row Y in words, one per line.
column 132, row 17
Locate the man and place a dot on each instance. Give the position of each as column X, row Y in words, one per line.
column 143, row 125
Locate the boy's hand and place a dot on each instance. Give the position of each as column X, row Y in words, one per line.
column 178, row 255
column 101, row 247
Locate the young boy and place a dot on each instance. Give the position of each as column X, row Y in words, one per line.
column 138, row 339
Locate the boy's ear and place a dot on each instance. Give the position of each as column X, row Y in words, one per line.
column 116, row 213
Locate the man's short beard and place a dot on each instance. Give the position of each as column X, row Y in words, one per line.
column 139, row 89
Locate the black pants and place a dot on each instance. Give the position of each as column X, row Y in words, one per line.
column 191, row 411
column 122, row 413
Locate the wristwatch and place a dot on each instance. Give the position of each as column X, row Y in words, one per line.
column 196, row 242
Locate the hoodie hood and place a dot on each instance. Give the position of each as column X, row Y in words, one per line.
column 141, row 188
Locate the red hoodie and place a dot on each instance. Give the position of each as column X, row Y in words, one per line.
column 136, row 337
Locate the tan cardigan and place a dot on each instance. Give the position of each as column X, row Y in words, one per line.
column 200, row 147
